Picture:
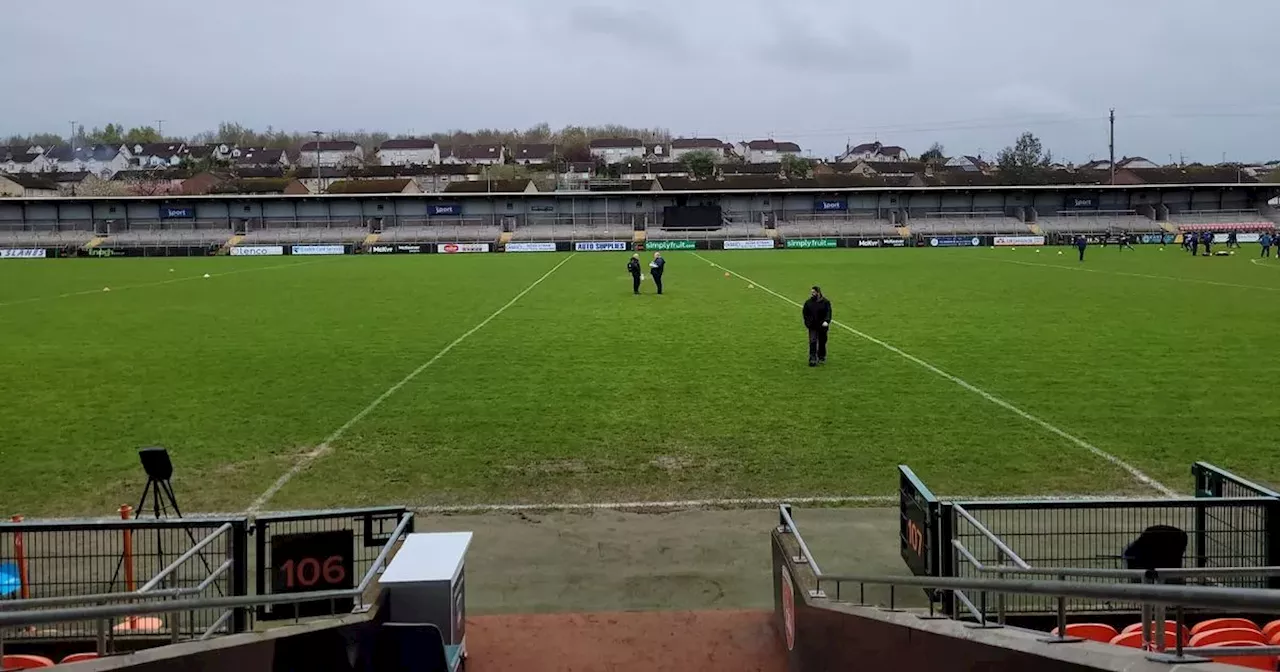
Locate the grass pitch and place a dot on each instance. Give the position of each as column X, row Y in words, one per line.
column 580, row 391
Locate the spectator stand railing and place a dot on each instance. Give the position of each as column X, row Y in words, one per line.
column 94, row 613
column 1066, row 585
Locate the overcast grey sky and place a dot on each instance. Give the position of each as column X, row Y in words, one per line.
column 1185, row 76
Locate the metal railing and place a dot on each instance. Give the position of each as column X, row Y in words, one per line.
column 13, row 615
column 1152, row 596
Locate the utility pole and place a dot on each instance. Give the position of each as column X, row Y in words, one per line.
column 1112, row 120
column 160, row 128
column 319, row 180
column 71, row 139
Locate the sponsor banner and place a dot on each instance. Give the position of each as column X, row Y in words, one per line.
column 754, row 244
column 868, row 242
column 955, row 241
column 601, row 246
column 257, row 250
column 531, row 247
column 177, row 213
column 1081, row 203
column 29, row 253
column 461, row 248
column 1240, row 237
column 830, row 205
column 114, row 252
column 444, row 210
column 810, row 243
column 1018, row 241
column 542, row 207
column 659, row 245
column 893, row 242
column 317, row 250
column 396, row 249
column 1160, row 239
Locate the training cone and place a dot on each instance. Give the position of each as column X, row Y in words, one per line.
column 751, row 286
column 171, row 270
column 206, row 275
column 1059, row 251
column 106, row 289
column 726, row 274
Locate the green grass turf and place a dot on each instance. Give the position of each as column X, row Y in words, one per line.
column 581, row 392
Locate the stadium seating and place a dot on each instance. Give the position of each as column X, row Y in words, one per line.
column 1219, row 217
column 21, row 661
column 441, row 233
column 1211, row 637
column 44, row 238
column 1098, row 632
column 934, row 224
column 1263, row 662
column 78, row 658
column 162, row 238
column 1098, row 223
column 1271, row 629
column 1134, row 639
column 836, row 228
column 302, row 235
column 1222, row 624
column 1169, row 626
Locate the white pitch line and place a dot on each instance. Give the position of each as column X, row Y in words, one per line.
column 157, row 283
column 1130, row 469
column 1268, row 264
column 1139, row 275
column 326, row 446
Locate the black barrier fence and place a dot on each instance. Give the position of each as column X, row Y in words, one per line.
column 318, row 550
column 1222, row 532
column 1232, row 522
column 46, row 561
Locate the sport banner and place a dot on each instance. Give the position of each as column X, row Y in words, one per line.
column 1018, row 241
column 29, row 253
column 955, row 241
column 397, row 249
column 753, row 244
column 257, row 250
column 317, row 250
column 461, row 248
column 601, row 246
column 660, row 245
column 810, row 243
column 530, row 247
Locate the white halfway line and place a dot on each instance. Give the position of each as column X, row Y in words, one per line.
column 1132, row 471
column 158, row 283
column 326, row 446
column 1142, row 275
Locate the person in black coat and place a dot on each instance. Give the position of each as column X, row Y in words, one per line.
column 633, row 267
column 817, row 319
column 656, row 267
column 1081, row 244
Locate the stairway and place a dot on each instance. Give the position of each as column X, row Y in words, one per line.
column 94, row 242
column 1035, row 228
column 639, row 236
column 505, row 238
column 231, row 242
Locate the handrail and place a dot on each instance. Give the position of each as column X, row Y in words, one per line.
column 982, row 529
column 1232, row 599
column 785, row 512
column 181, row 559
column 1154, row 574
column 72, row 614
column 135, row 596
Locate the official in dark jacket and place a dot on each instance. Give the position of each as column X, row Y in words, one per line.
column 1081, row 244
column 633, row 267
column 656, row 267
column 817, row 319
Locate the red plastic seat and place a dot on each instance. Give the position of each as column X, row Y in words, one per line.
column 1222, row 624
column 79, row 657
column 22, row 661
column 1169, row 626
column 1213, row 637
column 1134, row 639
column 1098, row 632
column 1271, row 629
column 1254, row 662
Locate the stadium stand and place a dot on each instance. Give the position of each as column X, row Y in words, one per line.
column 966, row 223
column 305, row 232
column 453, row 232
column 1098, row 222
column 1219, row 217
column 827, row 226
column 44, row 238
column 730, row 230
column 168, row 238
column 580, row 228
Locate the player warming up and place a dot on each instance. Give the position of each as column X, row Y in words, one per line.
column 633, row 267
column 655, row 269
column 1265, row 241
column 817, row 319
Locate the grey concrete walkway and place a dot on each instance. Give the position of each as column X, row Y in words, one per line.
column 610, row 561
